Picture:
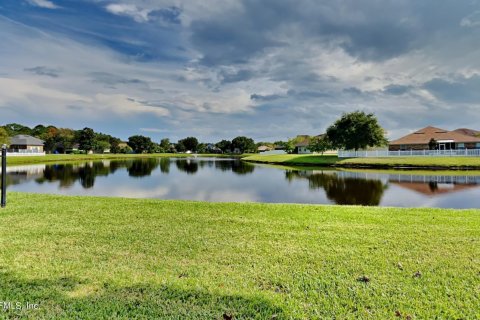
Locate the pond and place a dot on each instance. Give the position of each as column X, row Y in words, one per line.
column 227, row 180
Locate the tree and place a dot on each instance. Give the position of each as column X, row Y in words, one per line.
column 115, row 145
column 180, row 147
column 86, row 140
column 165, row 145
column 14, row 128
column 101, row 146
column 432, row 144
column 190, row 143
column 140, row 144
column 356, row 130
column 4, row 138
column 319, row 144
column 50, row 139
column 289, row 146
column 225, row 146
column 244, row 144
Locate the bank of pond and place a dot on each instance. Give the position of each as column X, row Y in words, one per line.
column 234, row 180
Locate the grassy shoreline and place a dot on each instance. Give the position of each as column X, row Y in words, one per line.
column 61, row 158
column 85, row 257
column 436, row 163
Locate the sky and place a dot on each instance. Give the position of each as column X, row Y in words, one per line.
column 215, row 69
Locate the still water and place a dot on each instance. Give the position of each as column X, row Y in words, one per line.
column 208, row 179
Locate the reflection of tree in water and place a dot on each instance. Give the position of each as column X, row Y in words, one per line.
column 142, row 167
column 342, row 190
column 187, row 165
column 68, row 174
column 236, row 166
column 165, row 165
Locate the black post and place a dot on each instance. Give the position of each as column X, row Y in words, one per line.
column 4, row 176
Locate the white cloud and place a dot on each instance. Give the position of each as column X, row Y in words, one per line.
column 472, row 20
column 130, row 10
column 43, row 4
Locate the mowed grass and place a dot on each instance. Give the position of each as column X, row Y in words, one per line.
column 441, row 162
column 391, row 162
column 99, row 258
column 294, row 159
column 60, row 158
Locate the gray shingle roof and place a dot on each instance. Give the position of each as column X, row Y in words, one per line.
column 25, row 140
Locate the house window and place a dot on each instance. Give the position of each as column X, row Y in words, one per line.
column 461, row 146
column 403, row 147
column 477, row 145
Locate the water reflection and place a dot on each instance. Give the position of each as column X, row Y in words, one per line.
column 234, row 180
column 342, row 190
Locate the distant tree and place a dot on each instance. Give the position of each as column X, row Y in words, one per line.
column 86, row 140
column 289, row 146
column 15, row 128
column 115, row 145
column 101, row 146
column 165, row 145
column 432, row 144
column 202, row 148
column 244, row 144
column 140, row 144
column 180, row 147
column 319, row 144
column 39, row 130
column 190, row 143
column 356, row 130
column 50, row 138
column 4, row 138
column 225, row 146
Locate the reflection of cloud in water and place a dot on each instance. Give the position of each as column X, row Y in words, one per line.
column 127, row 192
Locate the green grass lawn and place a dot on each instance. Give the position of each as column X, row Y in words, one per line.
column 444, row 162
column 57, row 158
column 391, row 162
column 294, row 159
column 93, row 258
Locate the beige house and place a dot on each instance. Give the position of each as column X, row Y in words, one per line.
column 25, row 144
column 444, row 140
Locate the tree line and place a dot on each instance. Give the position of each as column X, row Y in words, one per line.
column 63, row 140
column 355, row 130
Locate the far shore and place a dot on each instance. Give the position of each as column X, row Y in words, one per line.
column 304, row 160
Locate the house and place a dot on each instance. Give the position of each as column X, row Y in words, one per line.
column 26, row 144
column 301, row 145
column 442, row 139
column 263, row 148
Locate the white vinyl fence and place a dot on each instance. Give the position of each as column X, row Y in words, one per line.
column 24, row 153
column 409, row 153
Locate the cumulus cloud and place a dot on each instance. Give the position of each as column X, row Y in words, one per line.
column 219, row 68
column 43, row 4
column 472, row 20
column 130, row 10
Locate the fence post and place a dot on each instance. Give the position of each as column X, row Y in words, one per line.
column 4, row 176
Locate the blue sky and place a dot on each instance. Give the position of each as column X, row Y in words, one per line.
column 216, row 69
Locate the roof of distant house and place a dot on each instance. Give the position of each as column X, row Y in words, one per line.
column 467, row 132
column 25, row 140
column 264, row 148
column 423, row 136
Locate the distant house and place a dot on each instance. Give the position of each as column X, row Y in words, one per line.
column 212, row 148
column 25, row 144
column 444, row 140
column 302, row 143
column 301, row 147
column 263, row 148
